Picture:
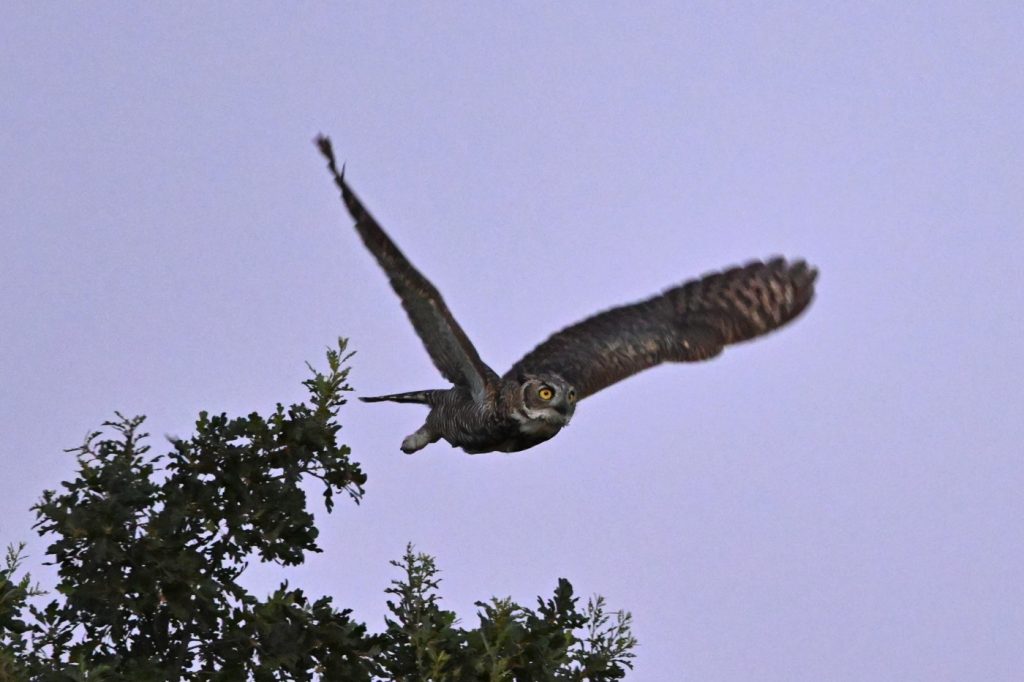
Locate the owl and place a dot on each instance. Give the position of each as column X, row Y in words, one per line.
column 537, row 397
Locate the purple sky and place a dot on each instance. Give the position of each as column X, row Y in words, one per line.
column 839, row 501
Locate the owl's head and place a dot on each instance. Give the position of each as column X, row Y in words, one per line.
column 548, row 397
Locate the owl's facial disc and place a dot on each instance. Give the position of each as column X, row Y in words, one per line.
column 549, row 399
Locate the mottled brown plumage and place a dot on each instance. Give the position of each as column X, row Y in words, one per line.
column 538, row 395
column 687, row 323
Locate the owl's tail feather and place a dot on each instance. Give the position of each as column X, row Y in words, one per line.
column 420, row 397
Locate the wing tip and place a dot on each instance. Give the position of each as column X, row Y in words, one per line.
column 801, row 274
column 352, row 203
column 323, row 143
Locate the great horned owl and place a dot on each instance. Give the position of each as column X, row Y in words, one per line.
column 483, row 412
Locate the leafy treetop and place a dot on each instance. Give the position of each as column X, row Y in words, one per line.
column 150, row 550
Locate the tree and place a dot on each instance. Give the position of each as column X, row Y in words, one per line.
column 150, row 549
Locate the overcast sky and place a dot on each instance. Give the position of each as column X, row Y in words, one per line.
column 841, row 500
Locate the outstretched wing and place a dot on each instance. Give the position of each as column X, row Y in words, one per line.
column 694, row 321
column 449, row 347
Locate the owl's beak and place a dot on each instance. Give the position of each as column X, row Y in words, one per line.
column 565, row 412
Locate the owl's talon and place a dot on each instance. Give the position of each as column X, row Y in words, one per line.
column 419, row 440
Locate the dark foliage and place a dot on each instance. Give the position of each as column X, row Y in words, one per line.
column 150, row 549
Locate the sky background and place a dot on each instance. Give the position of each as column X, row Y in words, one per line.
column 841, row 500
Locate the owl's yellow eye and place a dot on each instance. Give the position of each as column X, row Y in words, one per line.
column 546, row 393
column 572, row 396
